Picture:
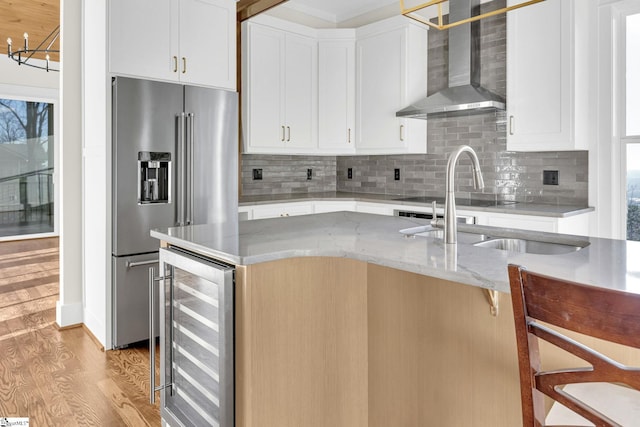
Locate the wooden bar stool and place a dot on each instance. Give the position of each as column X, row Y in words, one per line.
column 604, row 394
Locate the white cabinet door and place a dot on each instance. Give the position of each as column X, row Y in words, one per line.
column 391, row 73
column 546, row 77
column 189, row 41
column 301, row 92
column 380, row 68
column 576, row 224
column 282, row 210
column 141, row 42
column 263, row 118
column 336, row 96
column 334, row 206
column 208, row 42
column 280, row 113
column 374, row 208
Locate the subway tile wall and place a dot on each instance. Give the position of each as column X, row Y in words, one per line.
column 287, row 174
column 508, row 175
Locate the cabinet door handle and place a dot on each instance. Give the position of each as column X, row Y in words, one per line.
column 184, row 65
column 349, row 136
column 511, row 125
column 401, row 132
column 288, row 133
column 282, row 134
column 175, row 64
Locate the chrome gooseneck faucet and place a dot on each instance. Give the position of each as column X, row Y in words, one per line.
column 450, row 226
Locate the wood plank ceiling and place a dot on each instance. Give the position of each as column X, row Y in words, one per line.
column 35, row 17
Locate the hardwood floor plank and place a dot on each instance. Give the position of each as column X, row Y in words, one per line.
column 13, row 313
column 14, row 284
column 126, row 409
column 19, row 296
column 10, row 247
column 59, row 377
column 27, row 258
column 19, row 270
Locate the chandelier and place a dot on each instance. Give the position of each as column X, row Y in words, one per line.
column 24, row 55
column 409, row 13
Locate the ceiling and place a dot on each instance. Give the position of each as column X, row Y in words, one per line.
column 35, row 17
column 337, row 10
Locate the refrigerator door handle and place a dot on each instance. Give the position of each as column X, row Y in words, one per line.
column 190, row 202
column 152, row 342
column 131, row 264
column 181, row 175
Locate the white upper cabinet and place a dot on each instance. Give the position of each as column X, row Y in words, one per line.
column 337, row 91
column 188, row 41
column 391, row 61
column 547, row 76
column 280, row 101
column 332, row 91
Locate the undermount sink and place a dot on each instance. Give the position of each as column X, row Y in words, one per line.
column 509, row 244
column 530, row 246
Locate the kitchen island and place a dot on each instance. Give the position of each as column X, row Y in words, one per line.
column 342, row 320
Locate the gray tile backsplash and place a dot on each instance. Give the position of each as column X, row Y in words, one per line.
column 287, row 174
column 510, row 175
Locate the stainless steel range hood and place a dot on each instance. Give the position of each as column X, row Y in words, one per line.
column 464, row 92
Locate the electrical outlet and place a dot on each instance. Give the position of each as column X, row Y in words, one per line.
column 396, row 174
column 550, row 178
column 350, row 173
column 257, row 174
column 309, row 174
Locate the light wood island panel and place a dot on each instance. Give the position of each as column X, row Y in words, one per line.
column 301, row 343
column 338, row 342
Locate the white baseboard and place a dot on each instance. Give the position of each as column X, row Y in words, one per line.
column 97, row 328
column 69, row 314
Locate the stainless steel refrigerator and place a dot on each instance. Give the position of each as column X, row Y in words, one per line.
column 175, row 160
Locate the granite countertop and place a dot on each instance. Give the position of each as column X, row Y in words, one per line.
column 491, row 204
column 376, row 239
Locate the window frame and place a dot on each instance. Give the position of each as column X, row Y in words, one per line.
column 48, row 95
column 620, row 78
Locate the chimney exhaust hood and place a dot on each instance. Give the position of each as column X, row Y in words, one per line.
column 464, row 92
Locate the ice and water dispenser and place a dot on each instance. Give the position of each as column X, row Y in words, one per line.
column 154, row 177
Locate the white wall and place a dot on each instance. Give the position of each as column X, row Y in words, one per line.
column 12, row 74
column 96, row 173
column 69, row 307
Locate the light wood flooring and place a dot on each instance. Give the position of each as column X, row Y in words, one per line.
column 60, row 377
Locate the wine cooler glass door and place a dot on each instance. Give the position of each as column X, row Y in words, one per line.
column 197, row 341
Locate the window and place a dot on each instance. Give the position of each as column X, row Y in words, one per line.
column 26, row 167
column 631, row 128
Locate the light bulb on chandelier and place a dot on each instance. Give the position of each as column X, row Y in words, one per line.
column 26, row 57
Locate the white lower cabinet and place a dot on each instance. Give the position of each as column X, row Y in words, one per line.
column 576, row 224
column 374, row 208
column 334, row 206
column 281, row 210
